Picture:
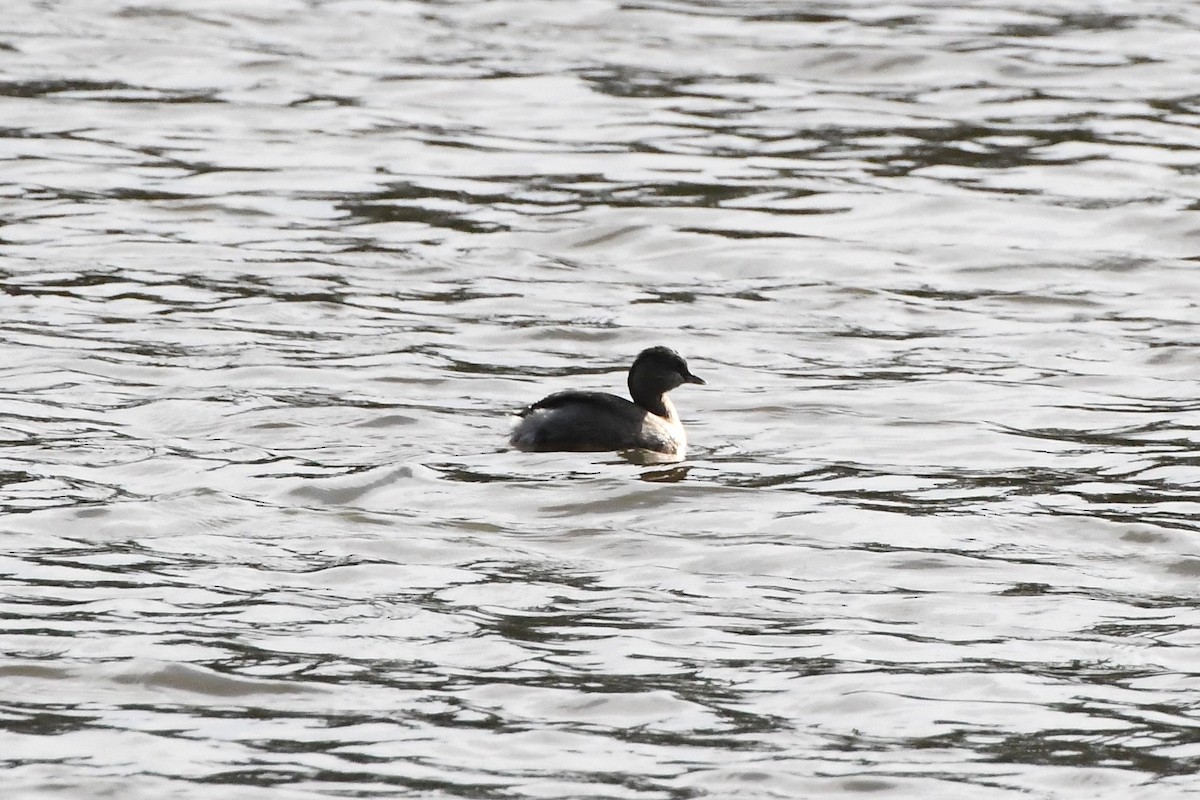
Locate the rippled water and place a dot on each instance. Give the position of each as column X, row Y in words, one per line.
column 274, row 276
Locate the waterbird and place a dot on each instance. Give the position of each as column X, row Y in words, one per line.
column 582, row 421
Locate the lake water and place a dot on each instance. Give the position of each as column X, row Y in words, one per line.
column 274, row 275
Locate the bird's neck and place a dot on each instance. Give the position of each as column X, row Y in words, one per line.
column 659, row 405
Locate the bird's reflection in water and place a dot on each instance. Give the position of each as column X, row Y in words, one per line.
column 672, row 475
column 648, row 458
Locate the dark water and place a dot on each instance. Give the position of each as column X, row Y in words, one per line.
column 273, row 276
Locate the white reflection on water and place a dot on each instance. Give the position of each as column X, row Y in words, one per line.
column 273, row 280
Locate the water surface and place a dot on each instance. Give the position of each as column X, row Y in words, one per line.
column 273, row 278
